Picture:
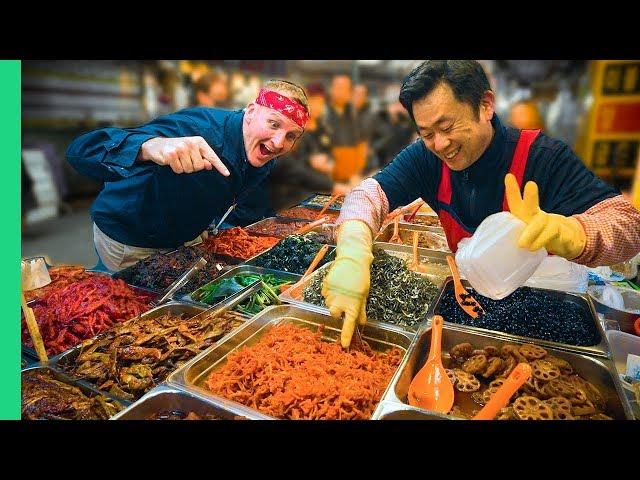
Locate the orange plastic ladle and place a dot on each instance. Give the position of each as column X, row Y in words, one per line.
column 431, row 388
column 513, row 382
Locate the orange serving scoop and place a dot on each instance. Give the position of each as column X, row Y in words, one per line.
column 329, row 203
column 431, row 388
column 464, row 298
column 312, row 266
column 513, row 382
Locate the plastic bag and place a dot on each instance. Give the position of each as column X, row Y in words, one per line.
column 557, row 273
column 491, row 259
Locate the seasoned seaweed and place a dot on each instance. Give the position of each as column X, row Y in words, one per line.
column 293, row 254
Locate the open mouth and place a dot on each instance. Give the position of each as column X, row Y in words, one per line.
column 264, row 150
column 453, row 154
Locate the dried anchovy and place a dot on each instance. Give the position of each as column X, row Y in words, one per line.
column 44, row 397
column 130, row 359
column 397, row 295
column 293, row 254
column 159, row 270
column 526, row 312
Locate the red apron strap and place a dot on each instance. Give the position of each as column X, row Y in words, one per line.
column 444, row 187
column 519, row 160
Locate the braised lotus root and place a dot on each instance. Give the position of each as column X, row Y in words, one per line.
column 475, row 364
column 497, row 383
column 589, row 389
column 512, row 350
column 494, row 365
column 456, row 411
column 544, row 370
column 479, row 351
column 564, row 366
column 511, row 363
column 491, row 351
column 462, row 350
column 560, row 388
column 561, row 408
column 488, row 393
column 452, row 376
column 600, row 416
column 531, row 408
column 507, row 413
column 532, row 352
column 587, row 409
column 466, row 382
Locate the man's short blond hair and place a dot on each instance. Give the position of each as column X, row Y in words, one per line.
column 290, row 89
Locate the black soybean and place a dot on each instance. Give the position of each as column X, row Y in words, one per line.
column 526, row 312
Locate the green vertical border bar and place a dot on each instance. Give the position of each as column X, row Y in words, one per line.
column 10, row 250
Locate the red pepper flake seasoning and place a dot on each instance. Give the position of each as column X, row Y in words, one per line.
column 82, row 310
column 236, row 242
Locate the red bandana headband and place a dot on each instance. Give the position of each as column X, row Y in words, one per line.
column 289, row 108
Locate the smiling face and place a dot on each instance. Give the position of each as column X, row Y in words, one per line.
column 451, row 129
column 267, row 134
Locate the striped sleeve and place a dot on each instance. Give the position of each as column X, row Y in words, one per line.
column 613, row 232
column 367, row 203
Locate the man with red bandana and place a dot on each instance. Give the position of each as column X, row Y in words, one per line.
column 165, row 181
column 466, row 165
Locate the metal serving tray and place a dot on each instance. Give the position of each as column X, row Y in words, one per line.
column 599, row 371
column 583, row 301
column 244, row 269
column 225, row 258
column 305, row 202
column 31, row 353
column 294, row 294
column 271, row 219
column 65, row 359
column 254, row 261
column 387, row 232
column 192, row 376
column 86, row 389
column 396, row 411
column 165, row 397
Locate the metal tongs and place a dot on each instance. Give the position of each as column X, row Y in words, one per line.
column 230, row 302
column 179, row 283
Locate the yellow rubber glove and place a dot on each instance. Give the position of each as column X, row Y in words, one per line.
column 560, row 235
column 346, row 287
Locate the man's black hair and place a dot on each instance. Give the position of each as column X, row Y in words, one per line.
column 465, row 77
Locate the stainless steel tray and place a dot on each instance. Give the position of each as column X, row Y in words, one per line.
column 65, row 359
column 305, row 202
column 599, row 371
column 255, row 260
column 387, row 232
column 270, row 219
column 193, row 375
column 244, row 269
column 396, row 411
column 165, row 397
column 294, row 294
column 583, row 301
column 86, row 389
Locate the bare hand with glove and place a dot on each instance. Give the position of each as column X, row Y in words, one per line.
column 346, row 287
column 560, row 235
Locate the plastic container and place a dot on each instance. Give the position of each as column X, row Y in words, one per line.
column 617, row 303
column 557, row 273
column 491, row 259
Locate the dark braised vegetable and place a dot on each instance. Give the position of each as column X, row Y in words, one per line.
column 159, row 270
column 397, row 295
column 293, row 254
column 45, row 398
column 132, row 358
column 526, row 312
